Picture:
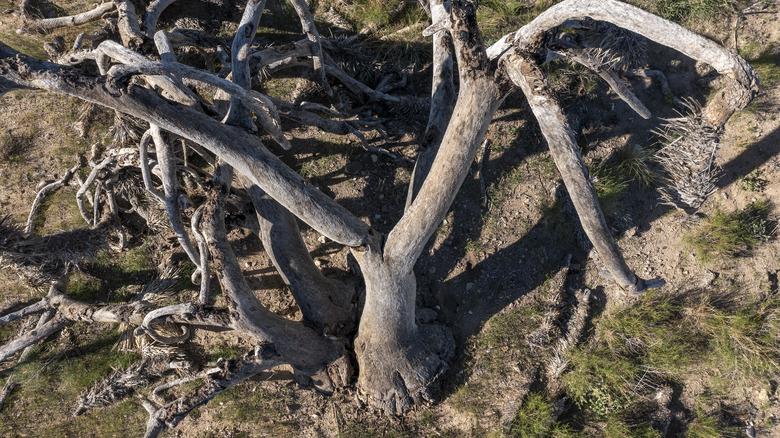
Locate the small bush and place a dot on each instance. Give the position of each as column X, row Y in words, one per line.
column 752, row 182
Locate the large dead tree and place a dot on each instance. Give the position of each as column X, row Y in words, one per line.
column 400, row 361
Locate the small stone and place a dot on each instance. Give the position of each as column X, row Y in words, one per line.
column 725, row 195
column 437, row 307
column 378, row 216
column 469, row 286
column 247, row 264
column 8, row 11
column 374, row 158
column 322, row 239
column 381, row 196
column 432, row 270
column 470, row 312
column 317, row 262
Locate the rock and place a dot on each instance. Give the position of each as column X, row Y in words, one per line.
column 469, row 286
column 432, row 270
column 374, row 158
column 322, row 239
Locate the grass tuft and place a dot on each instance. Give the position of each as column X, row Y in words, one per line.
column 692, row 10
column 733, row 234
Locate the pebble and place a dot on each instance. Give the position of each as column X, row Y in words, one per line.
column 379, row 216
column 374, row 158
column 469, row 286
column 470, row 312
column 381, row 196
column 322, row 239
column 432, row 270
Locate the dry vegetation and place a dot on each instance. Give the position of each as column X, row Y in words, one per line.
column 546, row 347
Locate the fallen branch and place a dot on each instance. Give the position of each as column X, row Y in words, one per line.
column 49, row 24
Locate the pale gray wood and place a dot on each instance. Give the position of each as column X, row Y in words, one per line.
column 153, row 12
column 129, row 30
column 443, row 97
column 564, row 151
column 734, row 97
column 49, row 24
column 323, row 301
column 166, row 160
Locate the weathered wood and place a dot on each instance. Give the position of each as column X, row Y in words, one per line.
column 324, row 301
column 129, row 30
column 49, row 24
column 48, row 188
column 37, row 307
column 241, row 76
column 302, row 347
column 443, row 97
column 236, row 146
column 171, row 88
column 165, row 158
column 32, row 337
column 153, row 12
column 563, row 149
column 580, row 56
column 735, row 96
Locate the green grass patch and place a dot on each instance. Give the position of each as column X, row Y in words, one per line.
column 535, row 419
column 48, row 394
column 752, row 182
column 497, row 18
column 693, row 10
column 216, row 352
column 493, row 352
column 663, row 339
column 732, row 234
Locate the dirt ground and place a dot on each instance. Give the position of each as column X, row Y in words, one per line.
column 490, row 254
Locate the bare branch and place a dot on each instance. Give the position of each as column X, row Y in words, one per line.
column 234, row 372
column 49, row 24
column 45, row 191
column 442, row 98
column 129, row 30
column 153, row 12
column 582, row 56
column 565, row 153
column 32, row 337
column 37, row 307
column 734, row 97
